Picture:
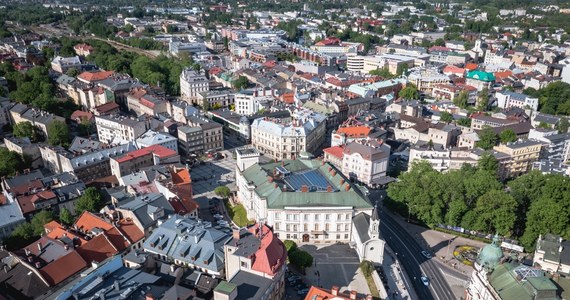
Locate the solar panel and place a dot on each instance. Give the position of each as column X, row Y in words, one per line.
column 312, row 179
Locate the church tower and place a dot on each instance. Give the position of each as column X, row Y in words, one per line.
column 374, row 227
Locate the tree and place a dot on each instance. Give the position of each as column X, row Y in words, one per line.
column 439, row 42
column 227, row 42
column 462, row 99
column 487, row 139
column 290, row 246
column 402, row 69
column 383, row 72
column 223, row 191
column 65, row 216
column 544, row 125
column 508, row 136
column 563, row 125
column 483, row 99
column 58, row 134
column 446, row 117
column 241, row 83
column 39, row 220
column 72, row 72
column 90, row 201
column 464, row 122
column 26, row 129
column 300, row 258
column 409, row 92
column 489, row 163
column 496, row 212
column 11, row 162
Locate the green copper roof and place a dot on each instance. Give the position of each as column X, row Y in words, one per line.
column 490, row 255
column 277, row 198
column 480, row 75
column 515, row 282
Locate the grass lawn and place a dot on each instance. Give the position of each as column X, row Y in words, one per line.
column 372, row 286
column 237, row 213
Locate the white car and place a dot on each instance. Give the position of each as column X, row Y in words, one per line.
column 425, row 280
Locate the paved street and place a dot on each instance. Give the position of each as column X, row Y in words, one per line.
column 408, row 251
column 212, row 173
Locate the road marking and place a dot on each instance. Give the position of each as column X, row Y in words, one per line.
column 414, row 258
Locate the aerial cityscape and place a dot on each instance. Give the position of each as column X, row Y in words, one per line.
column 273, row 149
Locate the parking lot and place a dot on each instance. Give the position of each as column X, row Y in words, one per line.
column 333, row 265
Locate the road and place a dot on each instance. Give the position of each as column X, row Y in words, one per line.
column 414, row 263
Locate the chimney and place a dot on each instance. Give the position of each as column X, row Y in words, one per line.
column 235, row 234
column 330, row 169
column 39, row 246
column 117, row 285
column 304, row 188
column 347, row 187
column 329, row 188
column 275, row 185
column 342, row 181
column 334, row 290
column 270, row 179
column 353, row 295
column 333, row 173
column 149, row 296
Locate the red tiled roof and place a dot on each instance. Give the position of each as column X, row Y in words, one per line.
column 288, row 98
column 97, row 249
column 52, row 225
column 439, row 48
column 354, row 131
column 215, row 71
column 62, row 268
column 453, row 70
column 130, row 231
column 336, row 151
column 95, row 76
column 271, row 255
column 83, row 47
column 157, row 150
column 328, row 41
column 180, row 176
column 471, row 66
column 137, row 93
column 107, row 107
column 269, row 64
column 43, row 195
column 26, row 187
column 503, row 74
column 59, row 232
column 87, row 221
column 116, row 237
column 83, row 115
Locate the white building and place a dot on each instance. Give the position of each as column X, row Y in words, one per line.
column 286, row 139
column 115, row 128
column 506, row 99
column 304, row 200
column 247, row 104
column 152, row 137
column 366, row 161
column 193, row 83
column 366, row 237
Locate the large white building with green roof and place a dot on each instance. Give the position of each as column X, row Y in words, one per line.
column 305, row 200
column 496, row 279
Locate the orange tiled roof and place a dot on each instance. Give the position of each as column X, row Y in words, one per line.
column 131, row 231
column 62, row 268
column 95, row 76
column 471, row 66
column 59, row 232
column 87, row 221
column 97, row 249
column 503, row 74
column 336, row 151
column 355, row 131
column 271, row 254
column 180, row 176
column 52, row 225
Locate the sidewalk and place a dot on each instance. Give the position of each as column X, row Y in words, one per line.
column 399, row 285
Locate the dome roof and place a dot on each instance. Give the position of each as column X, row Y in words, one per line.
column 490, row 255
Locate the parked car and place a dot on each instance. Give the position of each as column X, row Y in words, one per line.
column 426, row 254
column 293, row 278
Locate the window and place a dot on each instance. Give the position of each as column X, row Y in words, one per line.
column 244, row 264
column 338, row 236
column 347, row 216
column 346, row 236
column 289, row 217
column 338, row 217
column 327, row 227
column 327, row 217
column 346, row 227
column 287, row 227
column 338, row 227
column 306, row 217
column 305, row 227
column 288, row 236
column 277, row 226
column 277, row 216
column 316, row 228
column 316, row 217
column 295, row 227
